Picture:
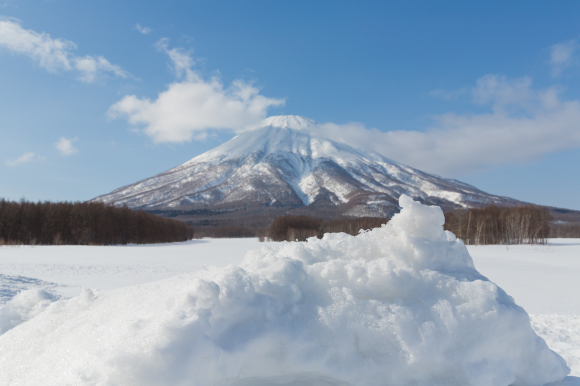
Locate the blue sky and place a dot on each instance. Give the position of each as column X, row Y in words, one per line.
column 97, row 95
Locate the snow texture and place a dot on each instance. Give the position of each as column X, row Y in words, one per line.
column 399, row 305
column 22, row 307
column 562, row 334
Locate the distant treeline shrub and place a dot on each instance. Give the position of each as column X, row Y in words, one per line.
column 493, row 225
column 226, row 232
column 86, row 223
column 292, row 227
column 565, row 231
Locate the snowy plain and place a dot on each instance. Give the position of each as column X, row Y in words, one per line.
column 542, row 279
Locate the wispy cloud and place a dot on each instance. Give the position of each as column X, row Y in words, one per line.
column 65, row 146
column 54, row 55
column 522, row 125
column 193, row 105
column 23, row 159
column 143, row 30
column 562, row 56
column 90, row 67
column 181, row 61
column 5, row 3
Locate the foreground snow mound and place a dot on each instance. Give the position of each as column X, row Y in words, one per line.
column 22, row 307
column 399, row 305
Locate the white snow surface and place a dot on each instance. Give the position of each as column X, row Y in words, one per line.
column 544, row 279
column 64, row 270
column 291, row 121
column 399, row 305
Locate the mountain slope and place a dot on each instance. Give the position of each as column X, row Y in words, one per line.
column 285, row 164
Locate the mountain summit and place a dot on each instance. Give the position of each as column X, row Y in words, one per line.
column 290, row 121
column 286, row 167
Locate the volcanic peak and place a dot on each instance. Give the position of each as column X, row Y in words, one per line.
column 290, row 121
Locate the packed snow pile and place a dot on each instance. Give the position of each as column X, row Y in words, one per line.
column 22, row 307
column 399, row 305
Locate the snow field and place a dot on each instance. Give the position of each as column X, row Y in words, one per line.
column 544, row 279
column 64, row 270
column 401, row 305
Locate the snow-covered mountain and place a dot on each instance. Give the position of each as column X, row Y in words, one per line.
column 286, row 164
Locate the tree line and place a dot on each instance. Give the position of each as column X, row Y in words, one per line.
column 234, row 231
column 494, row 225
column 66, row 223
column 490, row 225
column 301, row 227
column 565, row 231
column 88, row 223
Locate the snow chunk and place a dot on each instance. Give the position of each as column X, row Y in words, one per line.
column 22, row 307
column 420, row 220
column 399, row 305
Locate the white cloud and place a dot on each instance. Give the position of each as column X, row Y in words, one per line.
column 65, row 146
column 502, row 94
column 23, row 159
column 523, row 125
column 53, row 54
column 193, row 105
column 89, row 67
column 562, row 56
column 143, row 30
column 181, row 60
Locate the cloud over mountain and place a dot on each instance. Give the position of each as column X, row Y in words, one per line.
column 192, row 105
column 522, row 125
